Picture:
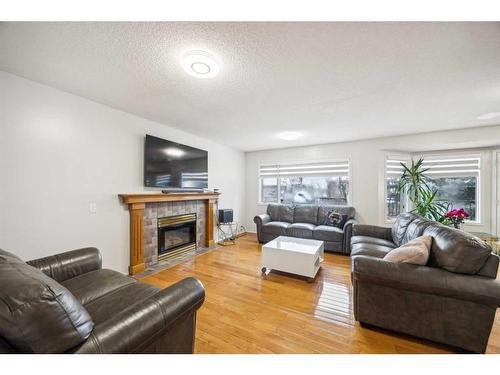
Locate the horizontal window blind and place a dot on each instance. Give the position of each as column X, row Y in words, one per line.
column 452, row 166
column 333, row 168
column 393, row 166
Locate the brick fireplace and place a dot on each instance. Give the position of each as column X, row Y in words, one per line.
column 158, row 217
column 149, row 211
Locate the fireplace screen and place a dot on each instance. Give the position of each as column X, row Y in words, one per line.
column 176, row 234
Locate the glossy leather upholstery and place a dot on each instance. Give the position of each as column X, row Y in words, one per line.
column 306, row 221
column 37, row 314
column 371, row 249
column 90, row 286
column 328, row 233
column 306, row 213
column 302, row 230
column 451, row 300
column 69, row 264
column 114, row 313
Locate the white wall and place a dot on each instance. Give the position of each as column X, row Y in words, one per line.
column 59, row 152
column 367, row 163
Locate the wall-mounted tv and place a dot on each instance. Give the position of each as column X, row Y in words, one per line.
column 174, row 166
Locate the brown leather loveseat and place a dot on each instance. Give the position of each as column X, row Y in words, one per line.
column 66, row 303
column 451, row 300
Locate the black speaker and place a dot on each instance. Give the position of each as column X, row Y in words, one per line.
column 225, row 215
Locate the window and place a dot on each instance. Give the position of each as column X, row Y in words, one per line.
column 300, row 183
column 456, row 180
column 395, row 202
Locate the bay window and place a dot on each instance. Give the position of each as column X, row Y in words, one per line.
column 457, row 181
column 456, row 178
column 395, row 202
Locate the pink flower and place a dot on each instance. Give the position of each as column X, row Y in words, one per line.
column 457, row 214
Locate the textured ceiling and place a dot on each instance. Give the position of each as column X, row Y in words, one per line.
column 333, row 81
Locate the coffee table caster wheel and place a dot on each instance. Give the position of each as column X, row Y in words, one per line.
column 264, row 269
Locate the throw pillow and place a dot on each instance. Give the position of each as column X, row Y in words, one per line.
column 335, row 219
column 414, row 252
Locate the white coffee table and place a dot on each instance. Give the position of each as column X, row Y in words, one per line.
column 299, row 256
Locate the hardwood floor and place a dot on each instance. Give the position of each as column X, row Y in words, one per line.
column 245, row 312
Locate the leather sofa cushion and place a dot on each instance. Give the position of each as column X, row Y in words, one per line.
column 306, row 213
column 456, row 251
column 416, row 228
column 302, row 230
column 328, row 233
column 323, row 211
column 372, row 240
column 280, row 212
column 275, row 227
column 38, row 314
column 95, row 284
column 400, row 226
column 337, row 247
column 490, row 267
column 113, row 303
column 370, row 249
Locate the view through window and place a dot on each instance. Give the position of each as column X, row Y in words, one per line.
column 318, row 183
column 394, row 200
column 456, row 180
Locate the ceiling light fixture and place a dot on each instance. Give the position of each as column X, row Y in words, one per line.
column 290, row 136
column 488, row 116
column 200, row 64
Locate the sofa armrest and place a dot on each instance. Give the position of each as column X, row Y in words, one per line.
column 372, row 231
column 348, row 234
column 69, row 264
column 259, row 220
column 424, row 279
column 262, row 219
column 149, row 321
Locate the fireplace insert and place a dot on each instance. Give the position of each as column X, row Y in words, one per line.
column 176, row 235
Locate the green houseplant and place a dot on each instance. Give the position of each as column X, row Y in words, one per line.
column 416, row 185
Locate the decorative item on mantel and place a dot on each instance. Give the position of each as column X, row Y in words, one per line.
column 456, row 217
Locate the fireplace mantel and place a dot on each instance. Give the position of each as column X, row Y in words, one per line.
column 155, row 197
column 136, row 205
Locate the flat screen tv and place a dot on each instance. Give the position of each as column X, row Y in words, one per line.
column 174, row 166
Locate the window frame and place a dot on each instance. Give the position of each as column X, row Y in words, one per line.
column 406, row 201
column 304, row 162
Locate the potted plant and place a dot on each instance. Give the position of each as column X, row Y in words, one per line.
column 456, row 217
column 416, row 185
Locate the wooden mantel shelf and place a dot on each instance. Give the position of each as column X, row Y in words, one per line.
column 136, row 205
column 155, row 197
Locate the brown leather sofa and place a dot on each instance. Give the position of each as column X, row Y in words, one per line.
column 451, row 300
column 306, row 221
column 67, row 303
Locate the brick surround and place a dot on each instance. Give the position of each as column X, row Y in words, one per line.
column 153, row 211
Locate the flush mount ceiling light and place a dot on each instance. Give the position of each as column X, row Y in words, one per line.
column 175, row 152
column 290, row 136
column 200, row 64
column 488, row 116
